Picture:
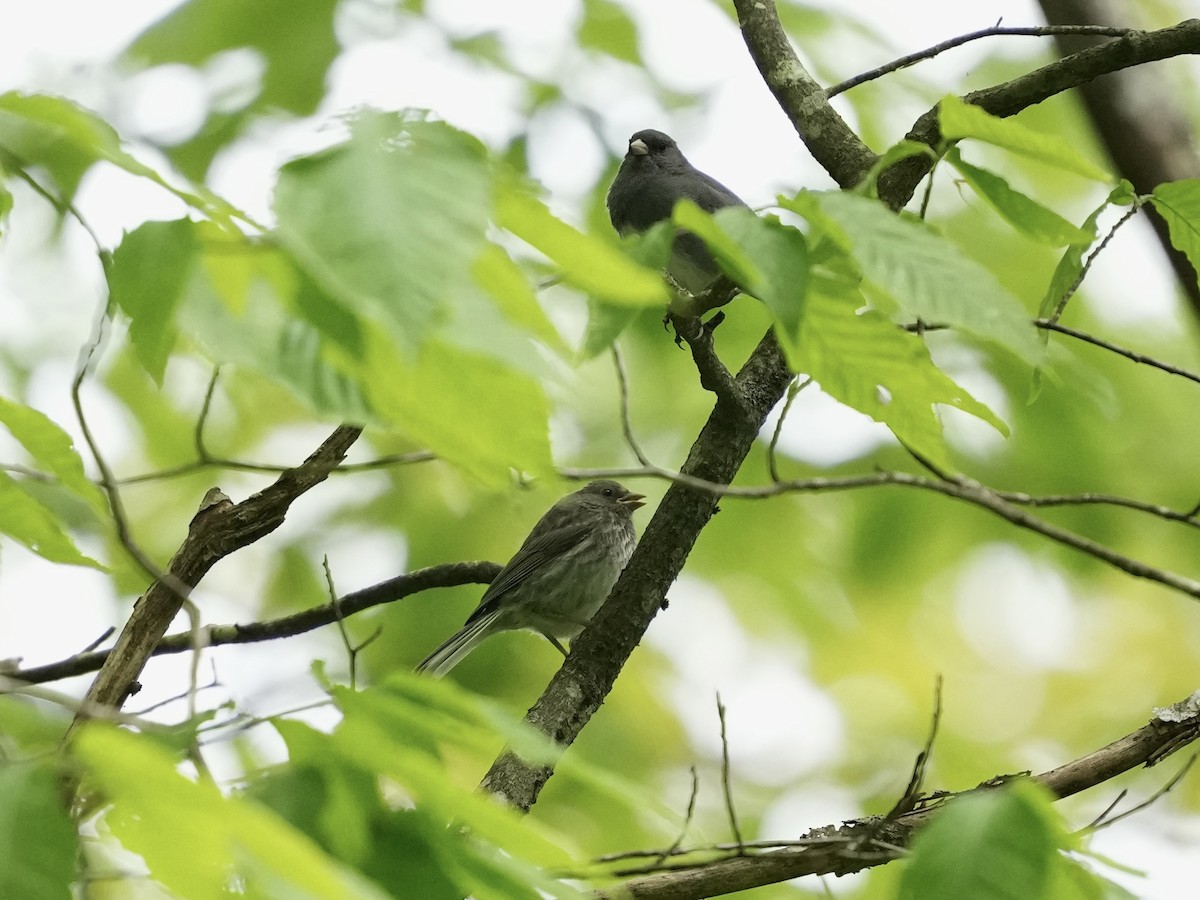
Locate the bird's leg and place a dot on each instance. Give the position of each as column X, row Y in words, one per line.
column 557, row 646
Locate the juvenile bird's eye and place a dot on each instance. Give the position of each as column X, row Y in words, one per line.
column 608, row 492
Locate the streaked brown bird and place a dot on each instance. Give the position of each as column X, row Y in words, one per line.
column 559, row 578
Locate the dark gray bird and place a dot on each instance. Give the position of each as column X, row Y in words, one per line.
column 559, row 578
column 653, row 176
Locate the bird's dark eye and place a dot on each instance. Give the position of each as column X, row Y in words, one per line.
column 608, row 492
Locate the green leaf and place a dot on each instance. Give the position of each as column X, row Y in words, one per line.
column 493, row 421
column 58, row 136
column 926, row 276
column 588, row 263
column 66, row 140
column 958, row 119
column 1178, row 202
column 390, row 222
column 37, row 838
column 1020, row 210
column 779, row 253
column 605, row 323
column 52, row 449
column 6, row 203
column 150, row 271
column 607, row 27
column 27, row 521
column 503, row 279
column 297, row 43
column 252, row 308
column 729, row 254
column 866, row 362
column 194, row 839
column 995, row 845
column 1070, row 267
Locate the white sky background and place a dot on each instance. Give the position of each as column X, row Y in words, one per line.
column 742, row 138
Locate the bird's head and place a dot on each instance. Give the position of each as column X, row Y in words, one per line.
column 652, row 148
column 613, row 494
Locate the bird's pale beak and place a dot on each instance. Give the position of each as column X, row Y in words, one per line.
column 638, row 147
column 633, row 501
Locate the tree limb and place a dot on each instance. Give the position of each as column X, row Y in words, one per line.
column 215, row 532
column 872, row 841
column 448, row 575
column 897, row 184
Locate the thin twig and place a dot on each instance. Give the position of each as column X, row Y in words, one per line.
column 961, row 489
column 352, row 650
column 794, row 390
column 1131, row 355
column 996, row 30
column 626, row 421
column 726, row 787
column 1087, row 265
column 1104, row 822
column 912, row 793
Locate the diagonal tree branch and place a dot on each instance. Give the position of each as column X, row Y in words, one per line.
column 873, row 841
column 597, row 656
column 897, row 184
column 217, row 530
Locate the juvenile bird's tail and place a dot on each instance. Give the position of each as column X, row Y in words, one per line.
column 458, row 645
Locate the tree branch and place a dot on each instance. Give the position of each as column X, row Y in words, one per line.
column 996, row 30
column 448, row 575
column 897, row 184
column 215, row 532
column 597, row 656
column 872, row 841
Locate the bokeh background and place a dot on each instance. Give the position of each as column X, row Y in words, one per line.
column 823, row 621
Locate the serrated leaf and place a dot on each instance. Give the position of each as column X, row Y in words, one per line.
column 507, row 285
column 995, row 845
column 958, row 120
column 1020, row 210
column 605, row 323
column 37, row 837
column 1070, row 267
column 730, row 256
column 866, row 362
column 194, row 839
column 28, row 522
column 494, row 420
column 60, row 137
column 779, row 253
column 390, row 222
column 1178, row 202
column 927, row 277
column 607, row 27
column 52, row 448
column 66, row 140
column 586, row 262
column 150, row 269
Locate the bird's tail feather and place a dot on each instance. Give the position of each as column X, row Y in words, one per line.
column 458, row 645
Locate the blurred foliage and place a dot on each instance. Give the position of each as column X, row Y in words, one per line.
column 401, row 280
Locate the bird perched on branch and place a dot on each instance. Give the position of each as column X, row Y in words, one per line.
column 654, row 176
column 559, row 578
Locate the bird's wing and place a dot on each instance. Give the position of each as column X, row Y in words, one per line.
column 708, row 193
column 550, row 538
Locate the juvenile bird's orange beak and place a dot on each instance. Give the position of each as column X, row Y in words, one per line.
column 632, row 500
